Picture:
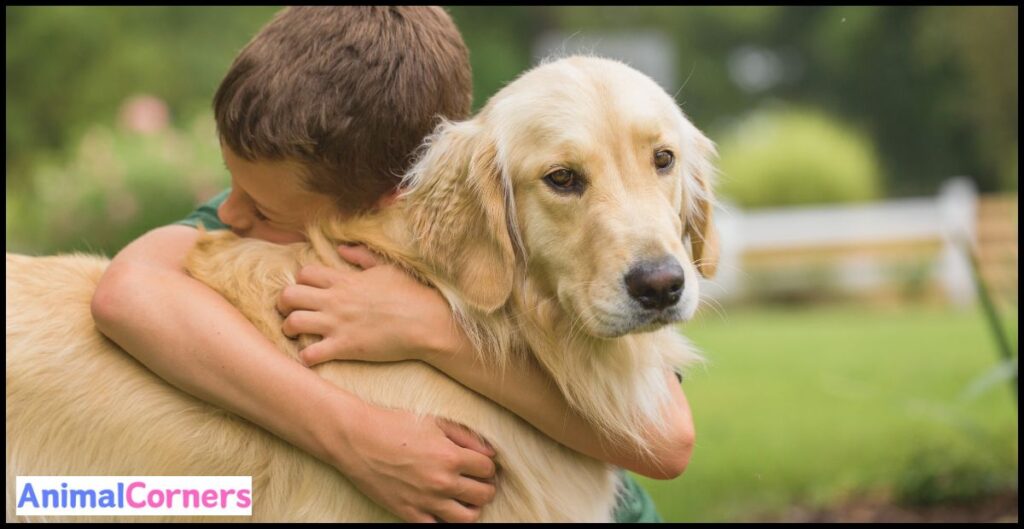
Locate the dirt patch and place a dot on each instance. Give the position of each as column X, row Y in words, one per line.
column 997, row 508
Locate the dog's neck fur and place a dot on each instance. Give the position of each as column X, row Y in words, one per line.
column 618, row 384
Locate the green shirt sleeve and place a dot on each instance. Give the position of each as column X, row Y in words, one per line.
column 634, row 503
column 206, row 214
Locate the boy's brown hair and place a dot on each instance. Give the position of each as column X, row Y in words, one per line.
column 349, row 92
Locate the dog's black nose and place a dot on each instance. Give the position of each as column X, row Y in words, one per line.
column 656, row 284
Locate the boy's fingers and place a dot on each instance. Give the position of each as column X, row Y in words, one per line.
column 465, row 437
column 454, row 512
column 299, row 297
column 304, row 322
column 474, row 492
column 358, row 255
column 317, row 353
column 315, row 276
column 476, row 465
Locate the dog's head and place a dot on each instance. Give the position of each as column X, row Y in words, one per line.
column 585, row 175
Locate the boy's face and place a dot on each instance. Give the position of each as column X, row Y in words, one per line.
column 267, row 200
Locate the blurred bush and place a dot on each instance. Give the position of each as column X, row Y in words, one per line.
column 951, row 472
column 808, row 284
column 787, row 156
column 913, row 279
column 117, row 185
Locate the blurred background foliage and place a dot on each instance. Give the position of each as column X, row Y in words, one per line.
column 114, row 186
column 784, row 156
column 801, row 405
column 930, row 92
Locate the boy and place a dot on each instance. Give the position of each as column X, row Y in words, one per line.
column 320, row 112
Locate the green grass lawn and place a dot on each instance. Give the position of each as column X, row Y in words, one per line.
column 805, row 406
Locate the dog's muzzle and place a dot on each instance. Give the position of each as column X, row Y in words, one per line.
column 656, row 284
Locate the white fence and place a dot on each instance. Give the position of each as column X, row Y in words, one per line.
column 947, row 219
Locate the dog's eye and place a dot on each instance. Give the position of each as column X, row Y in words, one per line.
column 664, row 160
column 564, row 181
column 561, row 178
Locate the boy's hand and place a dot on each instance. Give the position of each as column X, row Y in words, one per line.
column 375, row 313
column 421, row 469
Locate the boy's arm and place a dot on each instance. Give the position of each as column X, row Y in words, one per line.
column 382, row 314
column 528, row 391
column 189, row 335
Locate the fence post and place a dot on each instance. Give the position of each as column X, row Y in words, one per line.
column 958, row 208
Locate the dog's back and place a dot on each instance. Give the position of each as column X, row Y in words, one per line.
column 79, row 405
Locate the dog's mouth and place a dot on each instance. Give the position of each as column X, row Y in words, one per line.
column 662, row 318
column 652, row 320
column 635, row 322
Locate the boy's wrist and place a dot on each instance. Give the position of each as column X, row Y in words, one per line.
column 434, row 335
column 334, row 419
column 438, row 348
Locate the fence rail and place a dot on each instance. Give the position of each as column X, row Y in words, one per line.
column 876, row 247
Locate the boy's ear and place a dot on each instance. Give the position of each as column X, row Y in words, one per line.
column 387, row 199
column 458, row 205
column 699, row 223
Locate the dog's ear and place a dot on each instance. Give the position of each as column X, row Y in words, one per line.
column 697, row 216
column 459, row 217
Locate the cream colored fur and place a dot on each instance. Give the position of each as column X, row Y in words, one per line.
column 476, row 223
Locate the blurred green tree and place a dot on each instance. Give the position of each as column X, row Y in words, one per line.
column 981, row 42
column 935, row 87
column 70, row 67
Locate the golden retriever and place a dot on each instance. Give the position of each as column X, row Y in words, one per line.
column 555, row 223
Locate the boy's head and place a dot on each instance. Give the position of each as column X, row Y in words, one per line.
column 342, row 97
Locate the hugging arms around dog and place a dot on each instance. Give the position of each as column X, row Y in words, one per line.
column 216, row 354
column 640, row 200
column 202, row 344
